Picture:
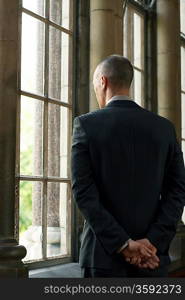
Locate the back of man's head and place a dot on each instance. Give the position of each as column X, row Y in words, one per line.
column 118, row 70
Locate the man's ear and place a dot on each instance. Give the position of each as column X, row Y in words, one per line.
column 103, row 81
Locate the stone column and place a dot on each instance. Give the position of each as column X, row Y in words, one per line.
column 169, row 88
column 82, row 53
column 168, row 61
column 119, row 27
column 106, row 35
column 10, row 252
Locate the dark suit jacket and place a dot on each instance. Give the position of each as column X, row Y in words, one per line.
column 128, row 180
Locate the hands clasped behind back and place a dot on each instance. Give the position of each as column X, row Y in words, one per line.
column 141, row 253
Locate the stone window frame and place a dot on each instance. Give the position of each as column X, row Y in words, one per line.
column 45, row 179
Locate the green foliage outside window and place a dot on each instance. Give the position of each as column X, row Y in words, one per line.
column 25, row 217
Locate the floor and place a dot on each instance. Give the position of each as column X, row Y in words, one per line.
column 70, row 270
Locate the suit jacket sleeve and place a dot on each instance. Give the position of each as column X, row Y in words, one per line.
column 109, row 233
column 172, row 201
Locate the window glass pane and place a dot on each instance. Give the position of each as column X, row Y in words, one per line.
column 138, row 87
column 182, row 13
column 127, row 38
column 183, row 68
column 132, row 90
column 183, row 216
column 64, row 142
column 59, row 83
column 32, row 62
column 137, row 41
column 60, row 12
column 58, row 131
column 31, row 138
column 133, row 46
column 142, row 2
column 36, row 6
column 30, row 227
column 183, row 114
column 57, row 219
column 183, row 149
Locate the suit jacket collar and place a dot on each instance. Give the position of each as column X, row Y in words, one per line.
column 123, row 103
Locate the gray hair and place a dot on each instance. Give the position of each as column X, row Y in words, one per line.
column 118, row 70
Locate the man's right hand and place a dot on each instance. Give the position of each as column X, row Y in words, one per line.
column 135, row 252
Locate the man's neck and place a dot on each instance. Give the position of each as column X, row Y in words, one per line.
column 118, row 97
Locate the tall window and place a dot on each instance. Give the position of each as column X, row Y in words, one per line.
column 133, row 48
column 44, row 129
column 182, row 14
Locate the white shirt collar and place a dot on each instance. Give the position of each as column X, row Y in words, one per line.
column 118, row 97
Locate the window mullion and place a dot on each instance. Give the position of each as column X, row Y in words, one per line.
column 45, row 136
column 47, row 99
column 46, row 20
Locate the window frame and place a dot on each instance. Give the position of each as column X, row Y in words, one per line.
column 142, row 11
column 54, row 260
column 150, row 53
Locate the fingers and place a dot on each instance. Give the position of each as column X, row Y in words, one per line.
column 135, row 260
column 147, row 243
column 151, row 263
column 139, row 260
column 143, row 265
column 152, row 247
column 144, row 251
column 127, row 259
column 139, row 254
column 156, row 258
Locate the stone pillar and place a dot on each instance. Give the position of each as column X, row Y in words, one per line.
column 119, row 27
column 10, row 252
column 82, row 54
column 169, row 89
column 106, row 35
column 168, row 61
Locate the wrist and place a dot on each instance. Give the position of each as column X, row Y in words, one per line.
column 125, row 246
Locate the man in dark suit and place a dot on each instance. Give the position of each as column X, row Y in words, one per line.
column 128, row 180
